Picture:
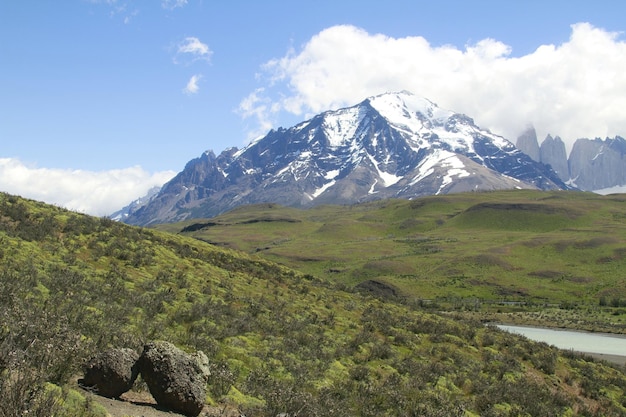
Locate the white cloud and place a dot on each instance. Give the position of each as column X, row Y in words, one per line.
column 173, row 4
column 575, row 89
column 192, row 86
column 257, row 106
column 190, row 50
column 119, row 9
column 96, row 193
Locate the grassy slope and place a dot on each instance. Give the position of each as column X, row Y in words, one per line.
column 560, row 248
column 279, row 341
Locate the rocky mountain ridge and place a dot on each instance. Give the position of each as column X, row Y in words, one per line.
column 593, row 164
column 135, row 205
column 395, row 145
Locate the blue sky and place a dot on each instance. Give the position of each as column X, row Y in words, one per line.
column 102, row 99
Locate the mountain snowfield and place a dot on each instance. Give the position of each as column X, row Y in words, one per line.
column 395, row 145
column 417, row 119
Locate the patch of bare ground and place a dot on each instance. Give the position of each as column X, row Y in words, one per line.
column 141, row 404
column 556, row 275
column 488, row 260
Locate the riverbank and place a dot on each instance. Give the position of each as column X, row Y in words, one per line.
column 609, row 347
column 588, row 320
column 616, row 359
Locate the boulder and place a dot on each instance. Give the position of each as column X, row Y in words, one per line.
column 112, row 372
column 177, row 380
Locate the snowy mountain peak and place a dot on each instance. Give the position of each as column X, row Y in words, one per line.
column 391, row 145
column 411, row 115
column 399, row 108
column 340, row 126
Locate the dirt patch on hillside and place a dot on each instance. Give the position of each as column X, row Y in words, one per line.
column 489, row 260
column 378, row 288
column 526, row 207
column 141, row 404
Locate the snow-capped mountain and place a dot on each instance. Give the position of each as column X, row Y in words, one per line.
column 392, row 145
column 135, row 205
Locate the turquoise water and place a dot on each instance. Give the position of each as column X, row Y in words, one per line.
column 579, row 341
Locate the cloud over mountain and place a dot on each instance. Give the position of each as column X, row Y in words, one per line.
column 575, row 89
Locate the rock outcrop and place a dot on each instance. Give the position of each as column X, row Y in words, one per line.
column 111, row 373
column 593, row 164
column 597, row 164
column 552, row 152
column 527, row 143
column 176, row 380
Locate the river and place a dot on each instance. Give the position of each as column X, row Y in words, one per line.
column 601, row 345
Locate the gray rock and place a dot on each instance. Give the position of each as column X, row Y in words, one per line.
column 597, row 164
column 553, row 153
column 527, row 143
column 176, row 380
column 111, row 373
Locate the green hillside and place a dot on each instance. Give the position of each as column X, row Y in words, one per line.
column 532, row 247
column 282, row 341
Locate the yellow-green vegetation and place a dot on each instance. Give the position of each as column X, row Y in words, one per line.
column 279, row 341
column 72, row 403
column 494, row 252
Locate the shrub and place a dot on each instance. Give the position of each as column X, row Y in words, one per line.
column 221, row 379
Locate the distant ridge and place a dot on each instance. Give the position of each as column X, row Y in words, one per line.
column 593, row 164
